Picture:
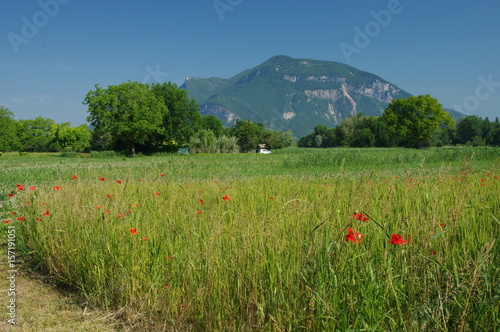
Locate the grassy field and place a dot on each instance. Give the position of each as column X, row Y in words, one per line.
column 313, row 240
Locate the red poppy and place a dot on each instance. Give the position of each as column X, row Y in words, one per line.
column 360, row 216
column 226, row 198
column 442, row 225
column 57, row 188
column 495, row 177
column 271, row 197
column 144, row 238
column 170, row 257
column 198, row 212
column 201, row 201
column 20, row 218
column 74, row 177
column 6, row 221
column 20, row 188
column 120, row 215
column 157, row 194
column 13, row 213
column 10, row 195
column 107, row 211
column 109, row 196
column 133, row 231
column 19, row 185
column 433, row 253
column 102, row 179
column 46, row 213
column 399, row 240
column 162, row 175
column 32, row 188
column 99, row 206
column 139, row 180
column 38, row 219
column 353, row 237
column 118, row 181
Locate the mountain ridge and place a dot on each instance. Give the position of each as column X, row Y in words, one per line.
column 298, row 94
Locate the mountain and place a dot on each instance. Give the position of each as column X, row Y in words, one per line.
column 298, row 94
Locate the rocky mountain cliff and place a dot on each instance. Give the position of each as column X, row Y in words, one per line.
column 298, row 94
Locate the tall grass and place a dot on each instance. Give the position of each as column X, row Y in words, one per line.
column 273, row 255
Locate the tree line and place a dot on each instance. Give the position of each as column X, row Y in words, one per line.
column 133, row 117
column 409, row 122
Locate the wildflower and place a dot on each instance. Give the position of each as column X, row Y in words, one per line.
column 353, row 237
column 399, row 240
column 74, row 177
column 144, row 238
column 120, row 215
column 118, row 181
column 57, row 188
column 198, row 212
column 13, row 213
column 201, row 201
column 442, row 225
column 20, row 218
column 157, row 194
column 46, row 213
column 109, row 196
column 107, row 211
column 167, row 286
column 10, row 195
column 139, row 180
column 99, row 206
column 271, row 197
column 162, row 175
column 226, row 198
column 38, row 219
column 170, row 257
column 360, row 216
column 133, row 231
column 102, row 179
column 20, row 188
column 433, row 253
column 32, row 188
column 495, row 177
column 6, row 221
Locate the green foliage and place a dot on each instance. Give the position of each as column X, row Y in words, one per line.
column 414, row 121
column 9, row 141
column 129, row 112
column 36, row 135
column 248, row 133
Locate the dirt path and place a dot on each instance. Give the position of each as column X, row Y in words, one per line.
column 40, row 306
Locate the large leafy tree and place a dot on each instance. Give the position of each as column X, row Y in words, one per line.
column 9, row 141
column 414, row 121
column 36, row 135
column 129, row 112
column 182, row 118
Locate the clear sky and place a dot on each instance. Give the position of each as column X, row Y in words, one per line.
column 52, row 52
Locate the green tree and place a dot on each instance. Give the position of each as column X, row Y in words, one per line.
column 210, row 122
column 414, row 121
column 181, row 118
column 36, row 135
column 469, row 129
column 248, row 133
column 130, row 112
column 74, row 139
column 9, row 141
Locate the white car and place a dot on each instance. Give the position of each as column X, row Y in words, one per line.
column 264, row 151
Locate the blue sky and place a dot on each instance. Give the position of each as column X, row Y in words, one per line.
column 52, row 52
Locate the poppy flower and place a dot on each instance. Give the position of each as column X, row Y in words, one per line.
column 442, row 225
column 107, row 211
column 162, row 175
column 20, row 218
column 144, row 238
column 201, row 201
column 118, row 181
column 74, row 177
column 6, row 221
column 13, row 213
column 20, row 188
column 57, row 188
column 226, row 198
column 133, row 231
column 109, row 196
column 399, row 240
column 170, row 257
column 102, row 179
column 139, row 180
column 433, row 252
column 360, row 216
column 32, row 188
column 10, row 195
column 198, row 212
column 99, row 206
column 38, row 219
column 46, row 213
column 157, row 194
column 353, row 237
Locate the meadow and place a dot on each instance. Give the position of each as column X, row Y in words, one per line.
column 302, row 239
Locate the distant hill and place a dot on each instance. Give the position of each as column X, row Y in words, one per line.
column 298, row 94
